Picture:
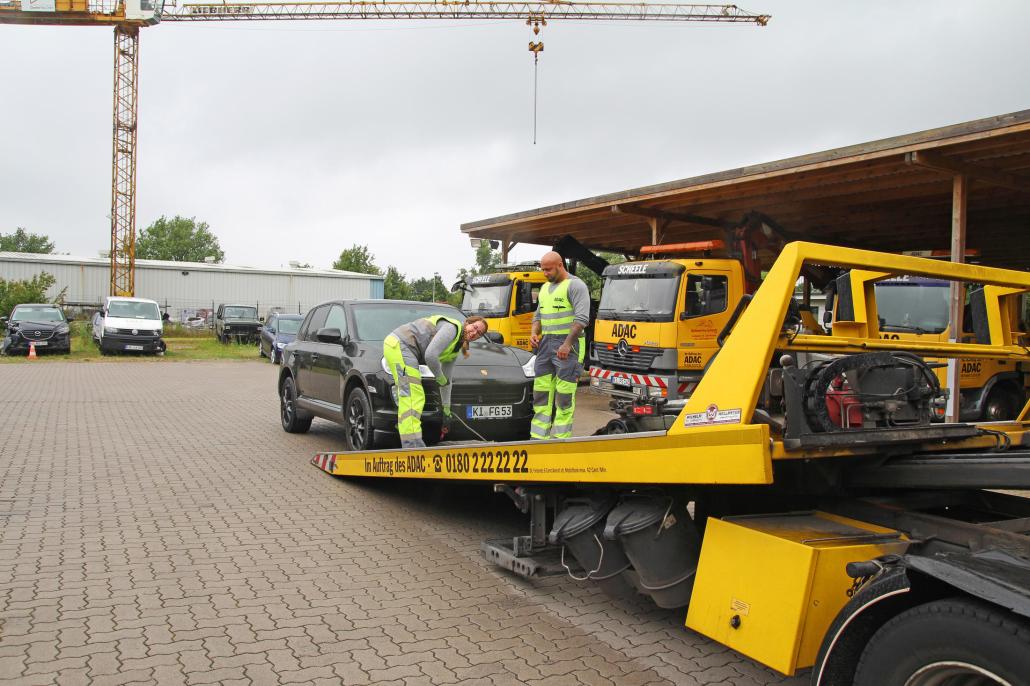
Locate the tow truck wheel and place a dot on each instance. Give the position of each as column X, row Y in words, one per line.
column 954, row 641
column 1000, row 406
column 288, row 409
column 357, row 420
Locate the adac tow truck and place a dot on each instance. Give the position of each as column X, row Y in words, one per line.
column 506, row 298
column 660, row 318
column 873, row 552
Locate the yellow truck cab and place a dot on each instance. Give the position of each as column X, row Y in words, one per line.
column 915, row 308
column 506, row 299
column 657, row 324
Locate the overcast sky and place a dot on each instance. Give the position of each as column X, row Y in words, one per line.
column 294, row 140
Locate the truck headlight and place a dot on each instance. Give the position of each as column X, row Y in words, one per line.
column 528, row 368
column 110, row 329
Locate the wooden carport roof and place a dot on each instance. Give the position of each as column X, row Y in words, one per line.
column 893, row 194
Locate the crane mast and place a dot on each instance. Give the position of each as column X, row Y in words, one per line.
column 128, row 16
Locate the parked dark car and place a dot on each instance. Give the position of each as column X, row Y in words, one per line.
column 238, row 323
column 42, row 324
column 335, row 370
column 278, row 331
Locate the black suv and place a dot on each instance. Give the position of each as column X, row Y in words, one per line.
column 42, row 324
column 237, row 322
column 335, row 370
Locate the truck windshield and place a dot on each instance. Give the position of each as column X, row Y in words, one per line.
column 240, row 313
column 376, row 322
column 127, row 309
column 32, row 313
column 913, row 306
column 651, row 299
column 487, row 301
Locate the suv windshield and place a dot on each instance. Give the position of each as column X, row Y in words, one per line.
column 37, row 313
column 639, row 299
column 376, row 322
column 240, row 313
column 915, row 306
column 127, row 309
column 487, row 301
column 289, row 325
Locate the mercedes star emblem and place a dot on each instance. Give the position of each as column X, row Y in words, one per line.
column 623, row 348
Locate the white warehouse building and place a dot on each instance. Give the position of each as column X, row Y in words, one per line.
column 186, row 289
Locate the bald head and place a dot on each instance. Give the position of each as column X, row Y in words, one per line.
column 553, row 267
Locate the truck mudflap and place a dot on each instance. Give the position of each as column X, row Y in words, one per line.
column 991, row 575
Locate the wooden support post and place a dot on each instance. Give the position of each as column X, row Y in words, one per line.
column 505, row 247
column 653, row 221
column 959, row 205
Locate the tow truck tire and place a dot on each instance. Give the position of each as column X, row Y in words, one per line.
column 1001, row 405
column 288, row 409
column 957, row 640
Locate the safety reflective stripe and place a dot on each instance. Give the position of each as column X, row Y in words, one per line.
column 409, row 414
column 560, row 314
column 561, row 430
column 411, row 437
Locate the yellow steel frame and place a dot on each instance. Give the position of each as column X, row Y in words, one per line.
column 712, row 440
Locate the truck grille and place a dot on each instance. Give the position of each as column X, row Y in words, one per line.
column 139, row 332
column 637, row 362
column 488, row 395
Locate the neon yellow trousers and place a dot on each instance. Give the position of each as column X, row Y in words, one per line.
column 554, row 389
column 411, row 397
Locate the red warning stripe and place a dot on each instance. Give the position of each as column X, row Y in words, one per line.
column 325, row 461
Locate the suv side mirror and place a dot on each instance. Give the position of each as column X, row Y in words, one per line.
column 329, row 336
column 261, row 319
column 494, row 337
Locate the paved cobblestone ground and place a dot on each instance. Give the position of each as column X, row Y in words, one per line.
column 158, row 527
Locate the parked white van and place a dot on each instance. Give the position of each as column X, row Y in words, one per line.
column 128, row 325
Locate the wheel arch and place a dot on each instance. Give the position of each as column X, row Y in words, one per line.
column 914, row 581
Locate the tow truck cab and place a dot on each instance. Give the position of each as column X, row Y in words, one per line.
column 658, row 322
column 506, row 299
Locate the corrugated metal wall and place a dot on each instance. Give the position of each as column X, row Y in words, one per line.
column 191, row 287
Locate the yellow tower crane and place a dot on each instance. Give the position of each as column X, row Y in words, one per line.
column 128, row 16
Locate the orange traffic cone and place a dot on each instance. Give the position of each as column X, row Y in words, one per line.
column 32, row 350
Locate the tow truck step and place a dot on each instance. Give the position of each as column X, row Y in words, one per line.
column 545, row 562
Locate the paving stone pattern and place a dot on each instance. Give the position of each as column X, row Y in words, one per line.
column 158, row 527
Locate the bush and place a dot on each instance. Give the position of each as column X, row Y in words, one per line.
column 26, row 291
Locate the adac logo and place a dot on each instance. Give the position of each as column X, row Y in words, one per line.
column 624, row 330
column 622, row 348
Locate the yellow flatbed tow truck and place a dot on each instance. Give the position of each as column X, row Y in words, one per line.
column 804, row 514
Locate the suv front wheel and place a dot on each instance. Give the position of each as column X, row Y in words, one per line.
column 357, row 420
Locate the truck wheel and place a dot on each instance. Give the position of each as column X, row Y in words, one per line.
column 952, row 641
column 1000, row 406
column 357, row 420
column 288, row 409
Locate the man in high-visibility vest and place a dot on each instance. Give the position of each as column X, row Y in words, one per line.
column 562, row 313
column 434, row 341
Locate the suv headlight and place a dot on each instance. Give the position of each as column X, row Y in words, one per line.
column 61, row 330
column 527, row 368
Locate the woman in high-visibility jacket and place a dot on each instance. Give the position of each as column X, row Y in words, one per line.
column 435, row 342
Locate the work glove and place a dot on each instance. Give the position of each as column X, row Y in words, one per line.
column 445, row 427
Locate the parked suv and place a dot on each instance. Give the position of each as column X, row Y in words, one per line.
column 335, row 370
column 128, row 325
column 237, row 322
column 279, row 330
column 42, row 324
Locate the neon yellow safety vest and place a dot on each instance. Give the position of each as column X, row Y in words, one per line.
column 454, row 346
column 556, row 311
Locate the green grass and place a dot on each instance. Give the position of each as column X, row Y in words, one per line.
column 183, row 344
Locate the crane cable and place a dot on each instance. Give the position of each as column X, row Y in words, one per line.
column 535, row 21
